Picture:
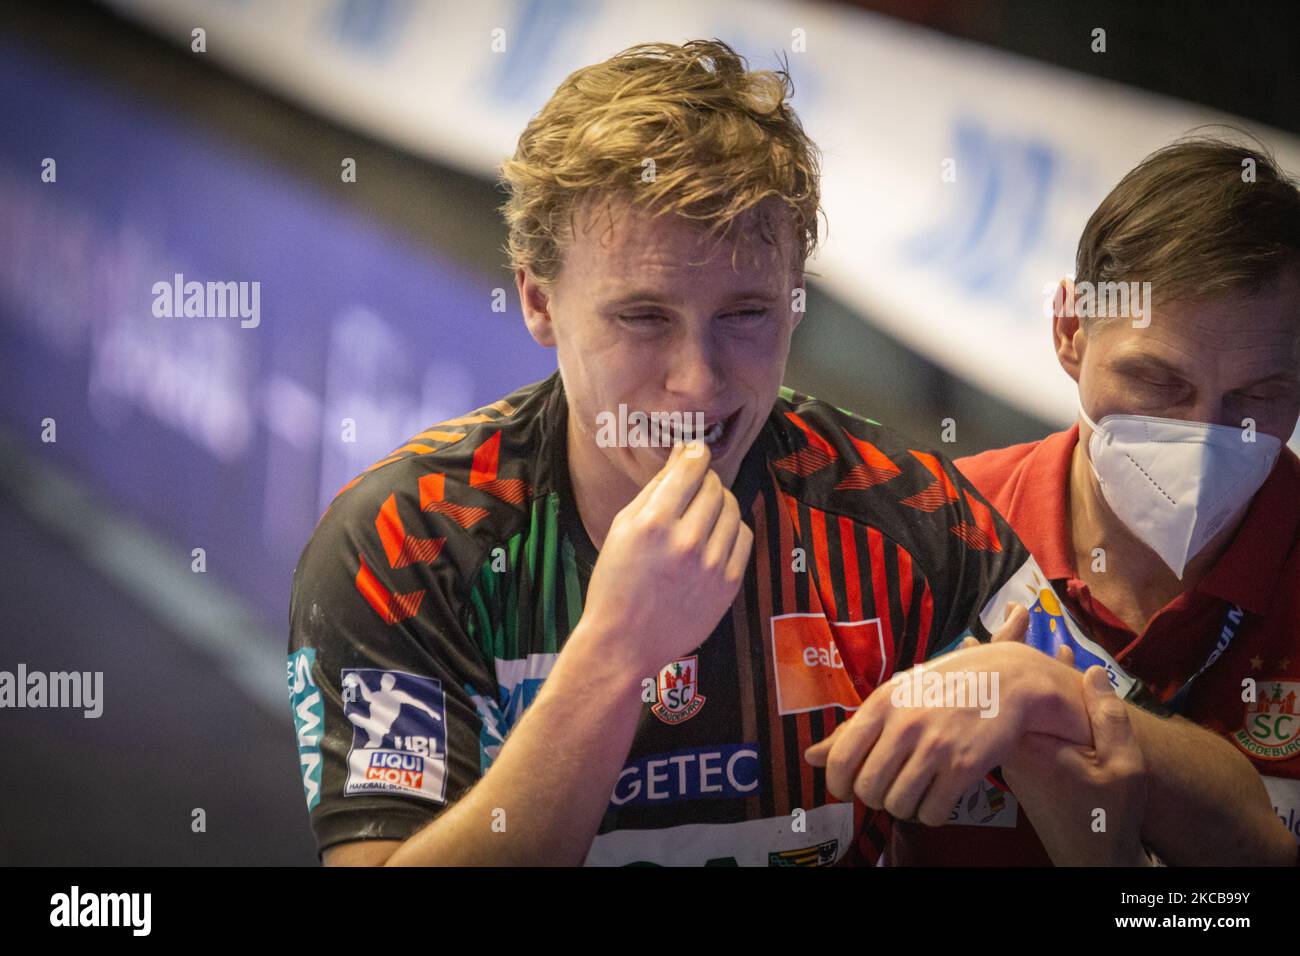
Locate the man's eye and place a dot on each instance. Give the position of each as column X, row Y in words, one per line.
column 644, row 318
column 746, row 315
column 1262, row 396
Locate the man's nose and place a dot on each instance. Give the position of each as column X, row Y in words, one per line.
column 1214, row 410
column 693, row 369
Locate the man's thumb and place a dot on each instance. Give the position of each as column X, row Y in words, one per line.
column 1108, row 714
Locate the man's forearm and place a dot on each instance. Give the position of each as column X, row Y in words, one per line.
column 541, row 801
column 1206, row 805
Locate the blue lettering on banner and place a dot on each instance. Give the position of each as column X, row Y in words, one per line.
column 723, row 772
column 998, row 216
column 538, row 33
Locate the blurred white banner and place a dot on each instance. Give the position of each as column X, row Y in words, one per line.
column 960, row 270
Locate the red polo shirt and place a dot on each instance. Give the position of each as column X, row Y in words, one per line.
column 1260, row 571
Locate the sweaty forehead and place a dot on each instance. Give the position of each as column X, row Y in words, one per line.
column 622, row 244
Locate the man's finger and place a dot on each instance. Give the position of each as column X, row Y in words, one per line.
column 741, row 546
column 816, row 754
column 649, row 487
column 1015, row 625
column 701, row 515
column 905, row 795
column 1065, row 654
column 685, row 475
column 936, row 809
column 1111, row 729
column 853, row 739
column 720, row 535
column 875, row 761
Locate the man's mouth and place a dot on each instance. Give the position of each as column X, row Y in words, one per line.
column 715, row 433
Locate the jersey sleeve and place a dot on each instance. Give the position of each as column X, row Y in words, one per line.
column 961, row 555
column 387, row 689
column 983, row 564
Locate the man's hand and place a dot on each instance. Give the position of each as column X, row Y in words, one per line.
column 916, row 761
column 1062, row 786
column 671, row 564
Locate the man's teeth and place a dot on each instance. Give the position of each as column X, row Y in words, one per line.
column 711, row 435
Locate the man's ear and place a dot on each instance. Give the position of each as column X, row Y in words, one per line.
column 535, row 301
column 1068, row 337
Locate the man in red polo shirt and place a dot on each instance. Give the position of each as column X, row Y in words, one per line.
column 1168, row 517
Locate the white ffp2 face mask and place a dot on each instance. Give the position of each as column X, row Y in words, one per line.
column 1176, row 484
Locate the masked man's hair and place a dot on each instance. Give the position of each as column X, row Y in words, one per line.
column 1203, row 217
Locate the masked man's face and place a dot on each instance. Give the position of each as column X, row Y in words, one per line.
column 1219, row 361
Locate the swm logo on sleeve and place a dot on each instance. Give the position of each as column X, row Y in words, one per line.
column 399, row 734
column 308, row 719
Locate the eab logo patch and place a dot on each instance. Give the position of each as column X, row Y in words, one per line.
column 679, row 695
column 308, row 719
column 1272, row 724
column 399, row 734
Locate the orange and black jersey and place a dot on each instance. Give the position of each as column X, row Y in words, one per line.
column 440, row 585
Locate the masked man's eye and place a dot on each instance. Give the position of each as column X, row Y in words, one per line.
column 1160, row 383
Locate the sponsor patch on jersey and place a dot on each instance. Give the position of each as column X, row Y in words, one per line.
column 1285, row 794
column 729, row 770
column 984, row 805
column 679, row 691
column 820, row 663
column 747, row 843
column 399, row 733
column 1271, row 728
column 492, row 727
column 308, row 719
column 518, row 681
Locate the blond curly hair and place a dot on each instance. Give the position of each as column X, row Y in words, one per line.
column 723, row 139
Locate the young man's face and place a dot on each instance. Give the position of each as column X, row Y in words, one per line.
column 652, row 315
column 1218, row 361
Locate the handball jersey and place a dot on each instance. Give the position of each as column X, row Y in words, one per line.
column 440, row 585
